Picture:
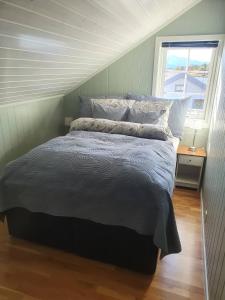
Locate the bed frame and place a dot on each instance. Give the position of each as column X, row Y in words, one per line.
column 111, row 244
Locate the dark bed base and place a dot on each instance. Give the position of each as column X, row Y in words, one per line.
column 112, row 244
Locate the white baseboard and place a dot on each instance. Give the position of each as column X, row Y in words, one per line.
column 206, row 287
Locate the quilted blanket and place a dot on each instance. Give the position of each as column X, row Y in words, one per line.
column 107, row 178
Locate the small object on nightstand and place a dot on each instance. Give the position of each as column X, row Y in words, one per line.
column 196, row 125
column 189, row 167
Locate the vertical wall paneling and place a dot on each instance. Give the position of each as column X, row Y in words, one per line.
column 214, row 197
column 134, row 71
column 25, row 125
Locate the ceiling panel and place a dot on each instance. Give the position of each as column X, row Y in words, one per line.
column 48, row 47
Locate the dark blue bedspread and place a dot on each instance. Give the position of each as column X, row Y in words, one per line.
column 106, row 178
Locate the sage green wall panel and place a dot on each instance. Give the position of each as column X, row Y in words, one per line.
column 97, row 86
column 71, row 103
column 134, row 71
column 25, row 125
column 205, row 18
column 213, row 195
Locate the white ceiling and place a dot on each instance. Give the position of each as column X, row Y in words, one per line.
column 48, row 47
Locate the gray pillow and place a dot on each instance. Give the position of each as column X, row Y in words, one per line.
column 85, row 107
column 139, row 97
column 177, row 112
column 148, row 112
column 107, row 111
column 86, row 104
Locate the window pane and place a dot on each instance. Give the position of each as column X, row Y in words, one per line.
column 197, row 76
column 186, row 71
column 177, row 59
column 197, row 101
column 200, row 59
column 196, row 88
column 173, row 84
column 174, row 76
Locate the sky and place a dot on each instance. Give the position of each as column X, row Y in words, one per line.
column 199, row 54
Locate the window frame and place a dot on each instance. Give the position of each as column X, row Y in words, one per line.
column 160, row 61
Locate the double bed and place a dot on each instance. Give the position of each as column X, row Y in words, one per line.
column 102, row 191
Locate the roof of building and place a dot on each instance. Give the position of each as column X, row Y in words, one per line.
column 194, row 80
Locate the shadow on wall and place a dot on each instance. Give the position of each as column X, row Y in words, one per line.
column 24, row 126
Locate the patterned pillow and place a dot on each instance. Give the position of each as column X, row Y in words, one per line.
column 86, row 103
column 110, row 112
column 147, row 112
column 111, row 108
column 147, row 131
column 177, row 112
column 114, row 102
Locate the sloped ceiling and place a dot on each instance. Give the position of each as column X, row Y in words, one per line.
column 48, row 47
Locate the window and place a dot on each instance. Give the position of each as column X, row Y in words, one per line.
column 187, row 66
column 179, row 88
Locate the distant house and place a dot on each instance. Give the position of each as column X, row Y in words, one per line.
column 195, row 86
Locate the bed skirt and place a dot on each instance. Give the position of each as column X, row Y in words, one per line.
column 111, row 244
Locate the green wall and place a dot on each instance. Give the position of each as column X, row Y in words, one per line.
column 213, row 197
column 25, row 125
column 134, row 71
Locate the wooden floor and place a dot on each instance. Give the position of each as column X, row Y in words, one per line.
column 29, row 271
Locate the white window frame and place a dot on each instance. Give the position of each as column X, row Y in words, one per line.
column 160, row 60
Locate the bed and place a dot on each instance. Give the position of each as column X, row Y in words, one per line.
column 102, row 191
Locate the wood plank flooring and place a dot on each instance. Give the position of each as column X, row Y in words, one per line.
column 29, row 271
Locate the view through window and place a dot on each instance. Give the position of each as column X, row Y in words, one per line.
column 186, row 74
column 187, row 68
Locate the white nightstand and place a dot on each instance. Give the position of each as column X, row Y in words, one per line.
column 189, row 167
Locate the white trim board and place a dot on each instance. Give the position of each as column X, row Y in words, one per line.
column 206, row 286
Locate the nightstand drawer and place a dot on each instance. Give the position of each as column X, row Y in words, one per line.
column 190, row 160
